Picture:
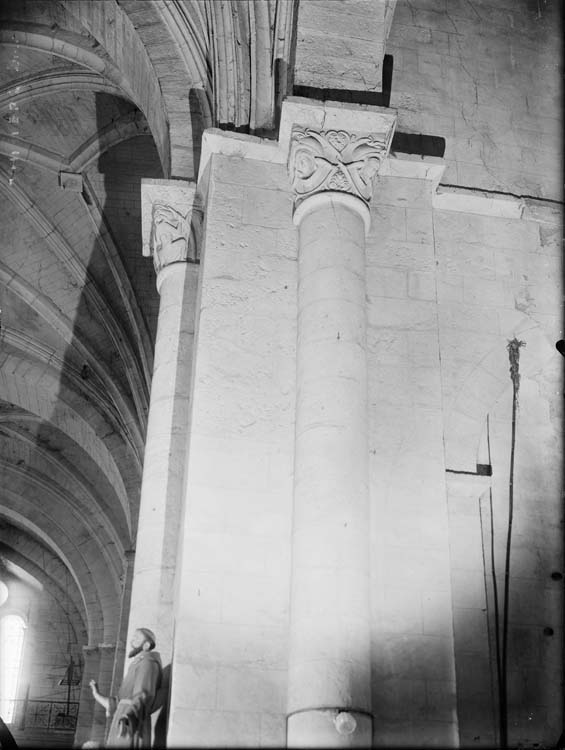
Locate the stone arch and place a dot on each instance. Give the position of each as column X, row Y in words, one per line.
column 39, row 525
column 79, row 274
column 24, row 554
column 54, row 82
column 35, row 394
column 129, row 69
column 86, row 523
column 119, row 130
column 111, row 399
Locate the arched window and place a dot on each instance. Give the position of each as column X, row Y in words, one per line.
column 12, row 629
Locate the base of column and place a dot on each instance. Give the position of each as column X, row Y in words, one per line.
column 329, row 727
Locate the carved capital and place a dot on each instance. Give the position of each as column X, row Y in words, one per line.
column 171, row 222
column 335, row 160
column 171, row 234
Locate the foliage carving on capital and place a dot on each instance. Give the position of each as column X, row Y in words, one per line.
column 172, row 236
column 335, row 160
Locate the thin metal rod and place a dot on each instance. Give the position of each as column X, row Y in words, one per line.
column 514, row 356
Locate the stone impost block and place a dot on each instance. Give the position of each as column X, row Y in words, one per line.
column 341, row 45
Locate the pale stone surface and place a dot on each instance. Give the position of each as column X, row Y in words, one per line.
column 330, row 541
column 177, row 196
column 412, row 630
column 324, row 116
column 214, row 728
column 335, row 50
column 473, row 67
column 233, row 579
column 451, row 276
column 318, row 728
column 160, row 507
column 322, row 160
column 439, row 285
column 91, row 657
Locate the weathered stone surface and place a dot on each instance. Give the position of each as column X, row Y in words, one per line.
column 462, row 254
column 341, row 45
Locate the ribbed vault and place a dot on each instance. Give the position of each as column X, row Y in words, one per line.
column 39, row 561
column 78, row 302
column 95, row 96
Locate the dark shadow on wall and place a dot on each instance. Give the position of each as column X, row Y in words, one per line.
column 198, row 100
column 110, row 201
column 162, row 701
column 119, row 172
column 7, row 741
column 478, row 525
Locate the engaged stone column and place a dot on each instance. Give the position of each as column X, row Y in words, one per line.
column 332, row 164
column 100, row 724
column 171, row 224
column 121, row 644
column 91, row 668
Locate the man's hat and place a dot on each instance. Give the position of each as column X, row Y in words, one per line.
column 149, row 635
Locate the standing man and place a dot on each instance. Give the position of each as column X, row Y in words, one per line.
column 131, row 709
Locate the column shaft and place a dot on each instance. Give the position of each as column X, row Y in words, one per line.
column 121, row 642
column 100, row 723
column 329, row 668
column 165, row 449
column 91, row 668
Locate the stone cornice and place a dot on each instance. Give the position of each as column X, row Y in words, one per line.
column 226, row 143
column 396, row 164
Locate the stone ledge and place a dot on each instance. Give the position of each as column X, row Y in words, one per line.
column 228, row 143
column 476, row 201
column 397, row 164
column 412, row 166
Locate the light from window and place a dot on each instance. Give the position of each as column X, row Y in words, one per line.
column 3, row 592
column 12, row 628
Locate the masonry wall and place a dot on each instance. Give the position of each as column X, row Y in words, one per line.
column 414, row 687
column 484, row 76
column 447, row 290
column 449, row 283
column 453, row 274
column 231, row 620
column 499, row 279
